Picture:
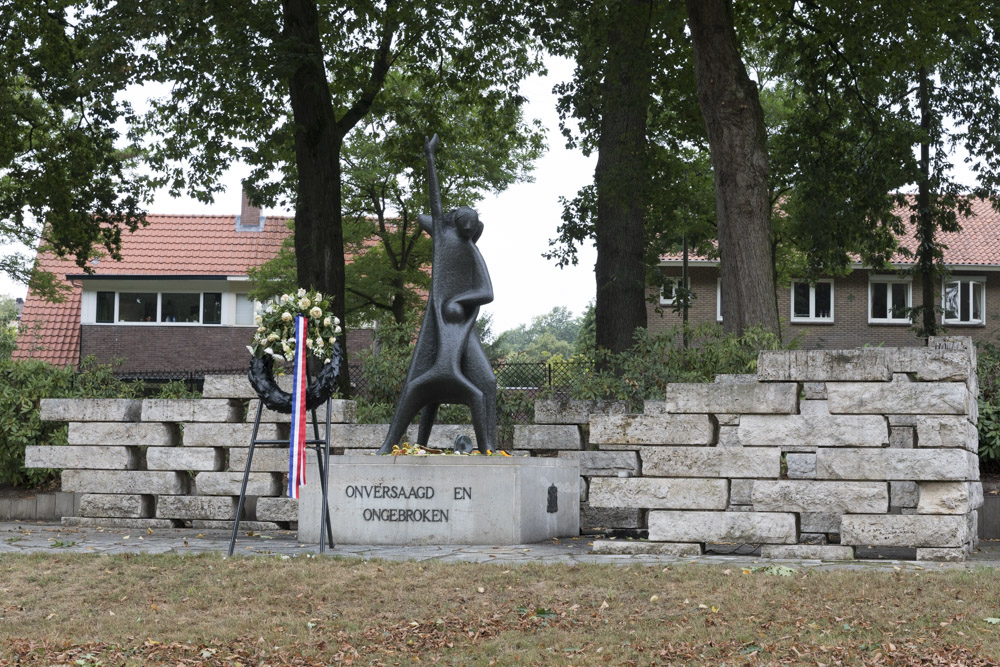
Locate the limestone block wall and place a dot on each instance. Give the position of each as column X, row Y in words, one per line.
column 822, row 453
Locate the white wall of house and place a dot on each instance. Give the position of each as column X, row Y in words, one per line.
column 235, row 308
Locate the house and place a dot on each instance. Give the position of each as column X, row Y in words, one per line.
column 866, row 307
column 176, row 305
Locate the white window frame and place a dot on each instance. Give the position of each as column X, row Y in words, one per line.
column 981, row 280
column 256, row 308
column 812, row 302
column 673, row 280
column 159, row 309
column 718, row 299
column 909, row 299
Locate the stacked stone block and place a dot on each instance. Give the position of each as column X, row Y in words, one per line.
column 825, row 452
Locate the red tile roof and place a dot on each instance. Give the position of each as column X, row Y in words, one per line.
column 170, row 245
column 978, row 244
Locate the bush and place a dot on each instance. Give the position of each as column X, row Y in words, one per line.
column 988, row 368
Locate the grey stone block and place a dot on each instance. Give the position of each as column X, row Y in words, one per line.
column 595, row 518
column 604, row 464
column 620, row 430
column 814, row 391
column 736, row 378
column 584, row 489
column 264, row 460
column 741, row 491
column 757, row 398
column 90, row 409
column 928, row 398
column 659, row 493
column 947, row 432
column 949, row 555
column 547, row 436
column 94, row 457
column 191, row 410
column 903, row 494
column 729, row 436
column 897, row 464
column 221, row 508
column 138, row 435
column 185, row 458
column 819, row 522
column 65, row 504
column 228, row 525
column 814, row 426
column 277, row 509
column 903, row 437
column 930, row 365
column 230, row 435
column 227, row 386
column 758, row 462
column 915, row 530
column 122, row 506
column 111, row 522
column 815, row 496
column 727, row 420
column 949, row 497
column 124, row 481
column 229, row 484
column 812, row 538
column 807, row 551
column 343, row 412
column 642, row 547
column 24, row 509
column 902, row 420
column 566, row 411
column 45, row 507
column 864, row 365
column 722, row 527
column 801, row 466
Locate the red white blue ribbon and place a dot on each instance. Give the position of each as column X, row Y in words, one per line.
column 297, row 442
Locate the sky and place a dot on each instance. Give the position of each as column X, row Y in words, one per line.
column 518, row 223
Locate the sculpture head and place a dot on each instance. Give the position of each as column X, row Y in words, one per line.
column 466, row 221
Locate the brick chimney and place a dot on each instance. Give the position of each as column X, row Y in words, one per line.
column 250, row 219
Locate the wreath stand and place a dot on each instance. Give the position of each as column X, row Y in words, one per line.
column 320, row 445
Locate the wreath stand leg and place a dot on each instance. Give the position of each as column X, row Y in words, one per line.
column 322, row 448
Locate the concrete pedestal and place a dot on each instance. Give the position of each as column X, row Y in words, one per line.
column 444, row 500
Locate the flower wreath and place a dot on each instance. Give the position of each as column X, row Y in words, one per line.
column 274, row 340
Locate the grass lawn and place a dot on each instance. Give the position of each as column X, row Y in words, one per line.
column 89, row 610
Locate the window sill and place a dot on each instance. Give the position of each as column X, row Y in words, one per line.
column 891, row 323
column 964, row 324
column 799, row 320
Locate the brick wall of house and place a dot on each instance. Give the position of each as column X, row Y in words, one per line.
column 850, row 327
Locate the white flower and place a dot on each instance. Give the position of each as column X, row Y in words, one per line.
column 302, row 292
column 316, row 312
column 249, row 349
column 286, row 316
column 332, row 340
column 268, row 350
column 261, row 329
column 326, row 321
column 273, row 337
column 309, row 342
column 326, row 361
column 304, row 303
column 257, row 319
column 319, row 342
column 286, row 348
column 336, row 320
column 319, row 296
column 285, row 298
column 278, row 357
column 337, row 330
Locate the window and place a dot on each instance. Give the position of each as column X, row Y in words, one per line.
column 667, row 296
column 164, row 307
column 105, row 307
column 244, row 309
column 137, row 307
column 812, row 302
column 180, row 307
column 889, row 300
column 211, row 312
column 718, row 300
column 963, row 301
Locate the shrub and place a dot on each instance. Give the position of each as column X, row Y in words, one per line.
column 988, row 368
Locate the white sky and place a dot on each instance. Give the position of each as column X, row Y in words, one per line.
column 518, row 223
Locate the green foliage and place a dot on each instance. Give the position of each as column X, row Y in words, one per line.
column 549, row 337
column 176, row 389
column 988, row 368
column 8, row 327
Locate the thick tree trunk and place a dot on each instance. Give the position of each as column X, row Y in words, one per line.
column 621, row 176
column 925, row 221
column 735, row 123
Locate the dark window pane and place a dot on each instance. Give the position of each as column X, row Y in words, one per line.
column 137, row 307
column 879, row 303
column 212, row 312
column 180, row 307
column 899, row 300
column 106, row 307
column 823, row 299
column 800, row 300
column 951, row 301
column 964, row 302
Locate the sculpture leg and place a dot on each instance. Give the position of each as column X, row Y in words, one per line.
column 427, row 417
column 479, row 422
column 406, row 410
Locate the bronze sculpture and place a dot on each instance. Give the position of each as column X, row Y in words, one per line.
column 449, row 364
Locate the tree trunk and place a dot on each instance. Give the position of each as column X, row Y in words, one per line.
column 736, row 136
column 925, row 220
column 621, row 178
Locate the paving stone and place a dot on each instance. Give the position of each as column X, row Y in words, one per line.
column 229, row 386
column 642, row 547
column 343, row 412
column 264, row 460
column 897, row 464
column 197, row 507
column 231, row 435
column 807, row 551
column 567, row 411
column 618, row 430
column 949, row 555
column 903, row 494
column 229, row 484
column 814, row 391
column 820, row 522
column 864, row 365
column 191, row 410
column 277, row 509
column 744, row 399
column 124, row 481
column 90, row 409
column 904, row 437
column 814, row 426
column 915, row 530
column 758, row 462
column 547, row 436
column 949, row 497
column 119, row 505
column 947, row 432
column 814, row 496
column 659, row 493
column 593, row 518
column 722, row 527
column 930, row 365
column 95, row 457
column 928, row 398
column 604, row 464
column 138, row 435
column 228, row 525
column 801, row 466
column 740, row 491
column 185, row 458
column 109, row 522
